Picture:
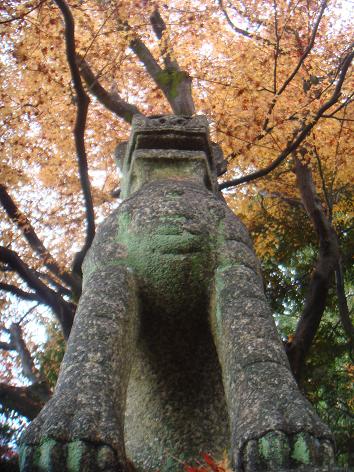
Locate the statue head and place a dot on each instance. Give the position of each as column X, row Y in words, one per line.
column 172, row 147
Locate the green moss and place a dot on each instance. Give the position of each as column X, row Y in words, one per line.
column 24, row 454
column 166, row 260
column 44, row 454
column 76, row 450
column 274, row 448
column 124, row 221
column 264, row 447
column 169, row 465
column 301, row 452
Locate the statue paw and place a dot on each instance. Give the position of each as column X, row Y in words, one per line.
column 74, row 434
column 74, row 456
column 279, row 452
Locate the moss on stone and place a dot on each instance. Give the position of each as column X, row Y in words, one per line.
column 24, row 454
column 274, row 448
column 166, row 255
column 76, row 450
column 301, row 452
column 44, row 454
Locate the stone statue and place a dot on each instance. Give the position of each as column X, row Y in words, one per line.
column 174, row 349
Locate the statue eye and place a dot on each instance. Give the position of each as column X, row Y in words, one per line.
column 162, row 120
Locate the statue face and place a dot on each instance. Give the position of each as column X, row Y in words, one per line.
column 184, row 133
column 169, row 147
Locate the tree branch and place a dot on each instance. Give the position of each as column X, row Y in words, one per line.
column 159, row 27
column 82, row 100
column 342, row 105
column 174, row 83
column 297, row 67
column 315, row 301
column 21, row 17
column 342, row 304
column 29, row 296
column 276, row 57
column 241, row 31
column 327, row 196
column 112, row 101
column 27, row 401
column 28, row 368
column 59, row 288
column 145, row 56
column 7, row 346
column 300, row 133
column 307, row 50
column 63, row 310
column 36, row 244
column 293, row 202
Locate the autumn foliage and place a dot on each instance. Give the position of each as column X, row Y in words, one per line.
column 273, row 77
column 207, row 464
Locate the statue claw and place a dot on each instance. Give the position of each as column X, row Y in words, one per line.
column 74, row 456
column 278, row 452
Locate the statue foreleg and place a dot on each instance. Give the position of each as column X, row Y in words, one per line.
column 273, row 427
column 81, row 427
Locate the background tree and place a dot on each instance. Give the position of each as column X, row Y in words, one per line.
column 274, row 79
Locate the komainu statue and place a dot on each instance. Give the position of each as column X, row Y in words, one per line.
column 174, row 349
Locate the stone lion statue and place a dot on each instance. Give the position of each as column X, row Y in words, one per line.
column 174, row 349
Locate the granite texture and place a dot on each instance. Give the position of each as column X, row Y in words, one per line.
column 174, row 350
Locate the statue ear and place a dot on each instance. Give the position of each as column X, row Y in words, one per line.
column 119, row 154
column 218, row 157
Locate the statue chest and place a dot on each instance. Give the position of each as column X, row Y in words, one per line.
column 171, row 246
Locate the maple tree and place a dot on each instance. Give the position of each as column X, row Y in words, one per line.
column 274, row 79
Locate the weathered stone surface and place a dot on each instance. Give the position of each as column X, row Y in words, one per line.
column 174, row 350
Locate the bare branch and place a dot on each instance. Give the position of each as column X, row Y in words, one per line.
column 300, row 133
column 294, row 202
column 27, row 401
column 112, row 101
column 33, row 240
column 63, row 310
column 179, row 86
column 82, row 100
column 59, row 288
column 28, row 368
column 7, row 346
column 145, row 56
column 29, row 296
column 337, row 118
